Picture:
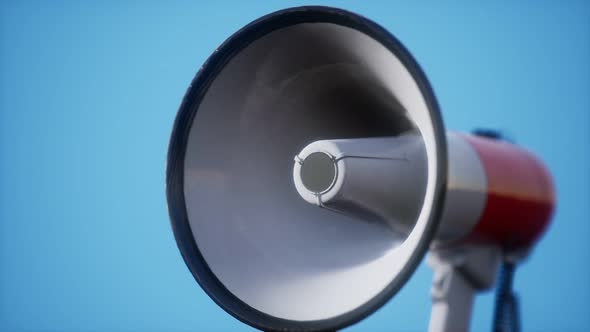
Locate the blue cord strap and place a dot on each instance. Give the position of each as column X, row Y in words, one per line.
column 506, row 313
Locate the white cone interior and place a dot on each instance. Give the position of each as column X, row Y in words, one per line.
column 270, row 248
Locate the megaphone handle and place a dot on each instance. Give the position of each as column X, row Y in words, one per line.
column 458, row 274
column 452, row 300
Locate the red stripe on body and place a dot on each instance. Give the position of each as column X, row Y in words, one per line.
column 520, row 196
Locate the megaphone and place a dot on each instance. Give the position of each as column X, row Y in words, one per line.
column 309, row 171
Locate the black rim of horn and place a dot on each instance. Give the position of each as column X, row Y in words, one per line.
column 179, row 139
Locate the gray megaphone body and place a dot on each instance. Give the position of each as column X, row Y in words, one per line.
column 308, row 168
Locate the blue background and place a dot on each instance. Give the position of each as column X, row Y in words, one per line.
column 88, row 94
